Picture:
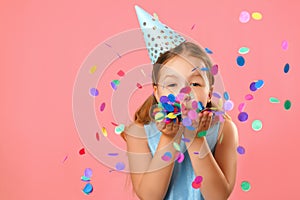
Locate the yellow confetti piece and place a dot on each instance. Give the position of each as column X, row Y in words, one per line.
column 93, row 69
column 257, row 15
column 220, row 103
column 171, row 116
column 176, row 146
column 104, row 132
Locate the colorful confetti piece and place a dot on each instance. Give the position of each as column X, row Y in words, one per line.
column 88, row 188
column 176, row 146
column 286, row 68
column 139, row 86
column 120, row 166
column 245, row 185
column 193, row 27
column 113, row 154
column 104, row 132
column 102, row 106
column 244, row 17
column 186, row 140
column 65, row 159
column 284, row 45
column 256, row 16
column 121, row 73
column 287, row 104
column 180, row 157
column 249, row 97
column 93, row 69
column 257, row 125
column 243, row 116
column 241, row 107
column 244, row 50
column 241, row 150
column 119, row 129
column 214, row 69
column 202, row 133
column 208, row 51
column 226, row 96
column 240, row 61
column 228, row 105
column 274, row 100
column 196, row 184
column 82, row 151
column 97, row 136
column 94, row 92
column 167, row 156
column 88, row 172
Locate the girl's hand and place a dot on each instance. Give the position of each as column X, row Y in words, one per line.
column 169, row 129
column 204, row 122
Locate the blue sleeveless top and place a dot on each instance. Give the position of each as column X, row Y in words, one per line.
column 180, row 187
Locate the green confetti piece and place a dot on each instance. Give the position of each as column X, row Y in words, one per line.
column 245, row 185
column 274, row 100
column 176, row 146
column 244, row 50
column 201, row 133
column 116, row 82
column 257, row 125
column 287, row 104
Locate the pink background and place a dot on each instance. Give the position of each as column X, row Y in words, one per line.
column 43, row 45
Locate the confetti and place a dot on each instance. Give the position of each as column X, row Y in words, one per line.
column 94, row 92
column 249, row 97
column 120, row 166
column 208, row 51
column 180, row 157
column 102, row 106
column 241, row 107
column 121, row 73
column 143, row 72
column 65, row 159
column 226, row 96
column 114, row 124
column 119, row 129
column 252, row 87
column 167, row 156
column 245, row 185
column 171, row 98
column 216, row 94
column 155, row 16
column 243, row 116
column 104, row 132
column 97, row 136
column 214, row 69
column 187, row 121
column 82, row 151
column 256, row 15
column 88, row 188
column 192, row 114
column 201, row 133
column 85, row 179
column 287, row 104
column 284, row 45
column 244, row 17
column 88, row 172
column 228, row 105
column 286, row 68
column 241, row 150
column 193, row 27
column 196, row 184
column 256, row 125
column 274, row 100
column 259, row 84
column 240, row 61
column 186, row 140
column 204, row 69
column 139, row 86
column 112, row 154
column 244, row 50
column 93, row 69
column 176, row 146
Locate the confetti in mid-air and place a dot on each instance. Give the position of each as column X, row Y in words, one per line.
column 286, row 68
column 119, row 129
column 121, row 73
column 120, row 166
column 208, row 50
column 94, row 92
column 243, row 116
column 244, row 50
column 256, row 16
column 240, row 60
column 241, row 150
column 196, row 184
column 284, row 45
column 274, row 100
column 82, row 151
column 244, row 17
column 245, row 185
column 167, row 156
column 257, row 125
column 93, row 69
column 287, row 104
column 88, row 188
column 102, row 106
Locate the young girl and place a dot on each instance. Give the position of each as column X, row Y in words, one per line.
column 170, row 160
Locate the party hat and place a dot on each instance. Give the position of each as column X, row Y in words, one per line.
column 159, row 38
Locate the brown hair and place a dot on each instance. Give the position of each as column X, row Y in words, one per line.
column 142, row 116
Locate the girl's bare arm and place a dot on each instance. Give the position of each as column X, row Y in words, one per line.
column 150, row 175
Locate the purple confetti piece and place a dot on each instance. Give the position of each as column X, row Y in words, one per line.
column 102, row 106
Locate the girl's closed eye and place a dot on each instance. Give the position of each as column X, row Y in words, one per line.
column 172, row 85
column 195, row 84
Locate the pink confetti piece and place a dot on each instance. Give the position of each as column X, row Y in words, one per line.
column 121, row 73
column 249, row 97
column 102, row 106
column 241, row 107
column 97, row 136
column 193, row 27
column 113, row 123
column 139, row 85
column 284, row 45
column 65, row 159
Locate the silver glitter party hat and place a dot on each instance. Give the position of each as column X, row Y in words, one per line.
column 158, row 37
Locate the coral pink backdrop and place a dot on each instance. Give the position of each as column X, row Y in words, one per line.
column 44, row 43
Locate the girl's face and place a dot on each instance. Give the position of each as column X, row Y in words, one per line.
column 180, row 72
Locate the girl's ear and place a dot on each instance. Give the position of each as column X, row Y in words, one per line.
column 155, row 92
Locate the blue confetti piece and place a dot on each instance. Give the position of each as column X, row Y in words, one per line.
column 286, row 68
column 113, row 85
column 88, row 188
column 226, row 96
column 191, row 128
column 208, row 51
column 259, row 84
column 120, row 166
column 240, row 61
column 171, row 98
column 204, row 69
column 94, row 92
